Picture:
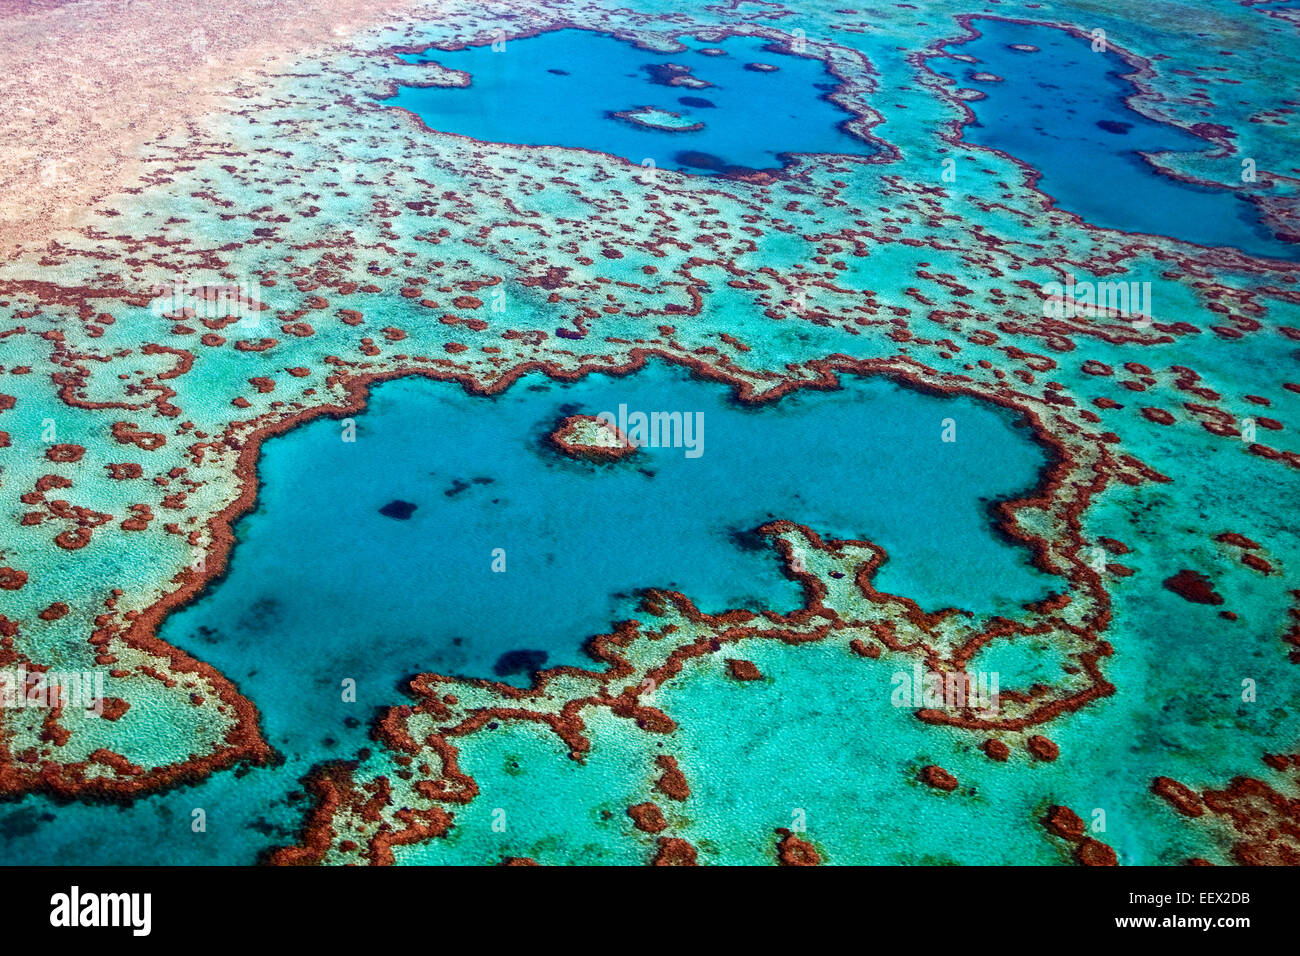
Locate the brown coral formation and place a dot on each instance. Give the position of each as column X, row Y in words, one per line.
column 674, row 851
column 996, row 750
column 935, row 776
column 647, row 817
column 1064, row 823
column 1265, row 822
column 743, row 670
column 793, row 850
column 1042, row 748
column 672, row 782
column 1193, row 586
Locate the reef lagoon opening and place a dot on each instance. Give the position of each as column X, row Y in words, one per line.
column 728, row 107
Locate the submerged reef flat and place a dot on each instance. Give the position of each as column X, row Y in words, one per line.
column 222, row 251
column 655, row 118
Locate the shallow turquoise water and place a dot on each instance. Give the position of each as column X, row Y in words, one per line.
column 560, row 89
column 324, row 587
column 1046, row 111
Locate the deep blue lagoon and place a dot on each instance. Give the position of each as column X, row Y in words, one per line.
column 566, row 87
column 1061, row 109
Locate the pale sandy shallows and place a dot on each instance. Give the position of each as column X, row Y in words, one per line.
column 88, row 81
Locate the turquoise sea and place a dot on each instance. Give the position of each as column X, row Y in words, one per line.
column 450, row 536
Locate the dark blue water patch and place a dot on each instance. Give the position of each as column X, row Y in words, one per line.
column 1118, row 127
column 323, row 588
column 401, row 510
column 699, row 161
column 1061, row 110
column 524, row 662
column 563, row 88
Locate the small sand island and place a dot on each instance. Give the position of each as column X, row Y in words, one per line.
column 591, row 438
column 651, row 117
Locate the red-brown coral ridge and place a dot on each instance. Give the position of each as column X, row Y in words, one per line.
column 743, row 670
column 647, row 817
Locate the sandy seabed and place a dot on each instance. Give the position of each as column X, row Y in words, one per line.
column 90, row 80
